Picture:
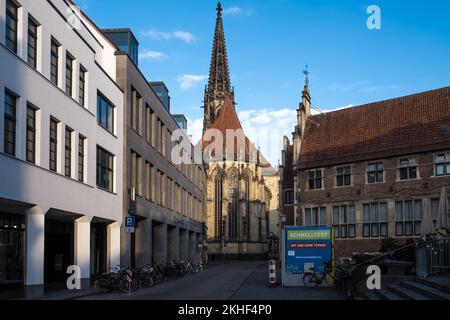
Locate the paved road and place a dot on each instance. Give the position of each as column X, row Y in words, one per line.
column 243, row 280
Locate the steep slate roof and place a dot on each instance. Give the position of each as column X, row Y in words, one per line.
column 406, row 125
column 228, row 120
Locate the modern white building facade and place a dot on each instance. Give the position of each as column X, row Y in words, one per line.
column 61, row 145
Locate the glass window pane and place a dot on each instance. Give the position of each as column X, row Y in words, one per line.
column 323, row 216
column 314, row 216
column 409, row 210
column 435, row 208
column 307, row 217
column 366, row 213
column 343, row 231
column 408, row 229
column 383, row 230
column 374, row 212
column 418, row 210
column 383, row 212
column 347, row 180
column 366, row 230
column 335, row 215
column 351, row 215
column 352, row 231
column 375, row 231
column 399, row 211
column 417, row 228
column 399, row 228
column 440, row 170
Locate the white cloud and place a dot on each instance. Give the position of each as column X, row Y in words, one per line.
column 151, row 55
column 176, row 35
column 264, row 127
column 237, row 11
column 359, row 86
column 314, row 111
column 188, row 81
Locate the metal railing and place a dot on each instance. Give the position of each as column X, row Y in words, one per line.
column 438, row 256
column 381, row 258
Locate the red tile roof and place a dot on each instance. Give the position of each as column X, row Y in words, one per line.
column 229, row 120
column 390, row 128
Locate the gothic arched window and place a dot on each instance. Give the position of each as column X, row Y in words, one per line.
column 233, row 195
column 218, row 207
column 246, row 217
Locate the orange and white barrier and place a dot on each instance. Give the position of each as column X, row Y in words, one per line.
column 272, row 272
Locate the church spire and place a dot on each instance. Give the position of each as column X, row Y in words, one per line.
column 219, row 75
column 219, row 84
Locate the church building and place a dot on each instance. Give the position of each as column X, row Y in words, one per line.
column 242, row 186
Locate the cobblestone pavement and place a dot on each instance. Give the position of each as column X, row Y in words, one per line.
column 242, row 280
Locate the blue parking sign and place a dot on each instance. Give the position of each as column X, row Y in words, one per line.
column 130, row 224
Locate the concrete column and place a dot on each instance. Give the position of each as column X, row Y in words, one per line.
column 34, row 260
column 192, row 243
column 144, row 243
column 184, row 244
column 82, row 252
column 173, row 243
column 159, row 243
column 198, row 248
column 113, row 234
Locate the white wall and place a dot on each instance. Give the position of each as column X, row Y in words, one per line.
column 35, row 184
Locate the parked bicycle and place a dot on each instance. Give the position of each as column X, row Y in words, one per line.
column 342, row 278
column 115, row 280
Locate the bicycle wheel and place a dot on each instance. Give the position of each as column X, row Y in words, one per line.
column 102, row 287
column 126, row 287
column 149, row 281
column 348, row 288
column 310, row 280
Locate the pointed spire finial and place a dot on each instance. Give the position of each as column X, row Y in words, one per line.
column 219, row 7
column 306, row 73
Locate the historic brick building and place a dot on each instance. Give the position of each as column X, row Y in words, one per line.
column 242, row 187
column 287, row 182
column 369, row 170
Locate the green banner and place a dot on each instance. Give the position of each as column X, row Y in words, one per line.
column 309, row 235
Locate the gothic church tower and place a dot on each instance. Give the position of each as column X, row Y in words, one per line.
column 219, row 85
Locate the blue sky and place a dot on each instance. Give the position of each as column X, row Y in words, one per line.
column 270, row 41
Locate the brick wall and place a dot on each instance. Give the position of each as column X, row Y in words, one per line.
column 427, row 186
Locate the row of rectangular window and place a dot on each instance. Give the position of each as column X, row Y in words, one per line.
column 11, row 36
column 156, row 181
column 105, row 163
column 408, row 218
column 156, row 132
column 408, row 170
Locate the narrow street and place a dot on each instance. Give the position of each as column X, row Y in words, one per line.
column 243, row 280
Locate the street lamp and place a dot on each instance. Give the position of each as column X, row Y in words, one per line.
column 283, row 220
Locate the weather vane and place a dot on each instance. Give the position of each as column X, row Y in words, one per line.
column 306, row 73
